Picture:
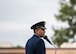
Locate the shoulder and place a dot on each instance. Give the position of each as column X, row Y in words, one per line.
column 34, row 39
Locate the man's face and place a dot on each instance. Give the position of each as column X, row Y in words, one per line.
column 40, row 32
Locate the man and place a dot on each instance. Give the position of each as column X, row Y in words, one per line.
column 35, row 45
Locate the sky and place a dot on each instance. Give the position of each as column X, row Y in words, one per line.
column 17, row 16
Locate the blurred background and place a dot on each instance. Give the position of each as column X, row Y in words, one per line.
column 17, row 16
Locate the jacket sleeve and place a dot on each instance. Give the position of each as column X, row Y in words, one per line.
column 40, row 47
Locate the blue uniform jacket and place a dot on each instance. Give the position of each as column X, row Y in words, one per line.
column 35, row 45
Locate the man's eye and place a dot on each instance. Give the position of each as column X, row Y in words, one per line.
column 43, row 29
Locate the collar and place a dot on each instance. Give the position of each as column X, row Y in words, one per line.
column 37, row 35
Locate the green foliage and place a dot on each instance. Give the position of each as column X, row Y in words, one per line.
column 66, row 13
column 18, row 46
column 73, row 2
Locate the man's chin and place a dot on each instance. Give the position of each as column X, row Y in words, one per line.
column 41, row 36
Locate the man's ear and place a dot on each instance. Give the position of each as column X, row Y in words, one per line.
column 36, row 30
